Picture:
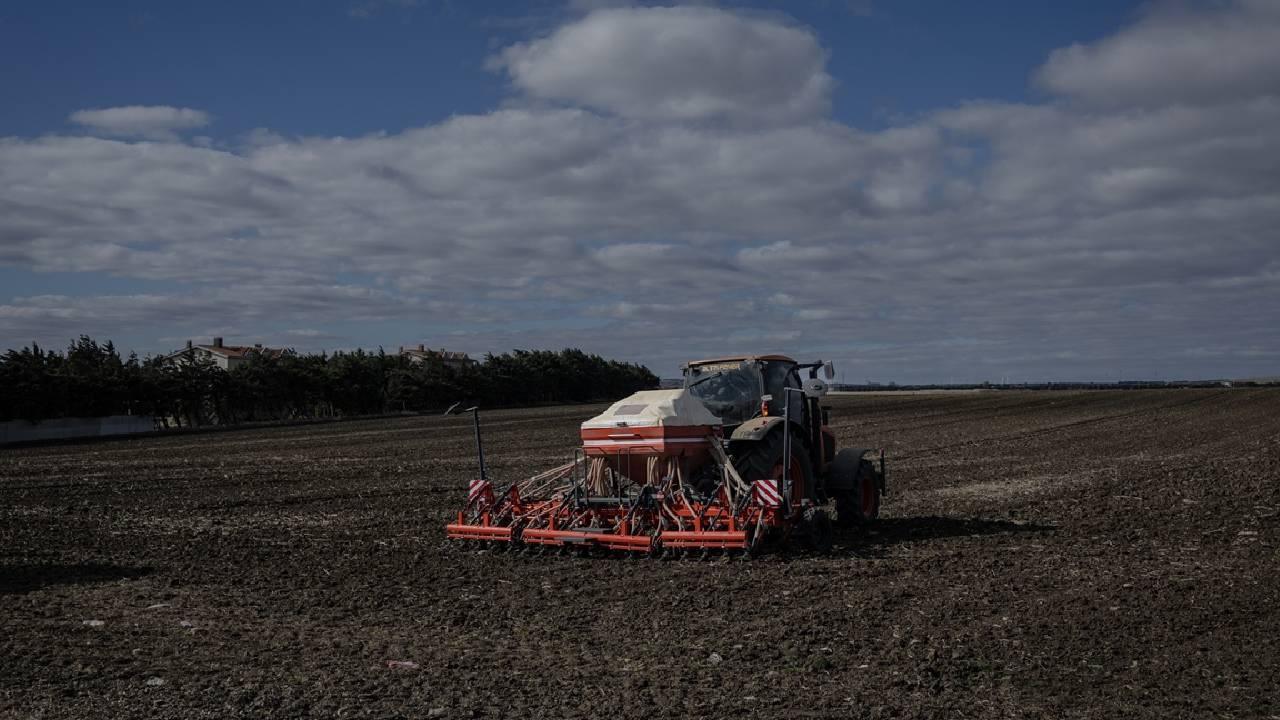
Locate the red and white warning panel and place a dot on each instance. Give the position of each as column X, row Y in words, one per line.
column 479, row 488
column 766, row 493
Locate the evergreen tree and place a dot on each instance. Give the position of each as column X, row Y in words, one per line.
column 92, row 380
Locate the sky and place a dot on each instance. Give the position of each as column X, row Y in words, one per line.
column 917, row 190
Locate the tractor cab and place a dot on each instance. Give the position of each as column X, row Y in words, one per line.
column 737, row 389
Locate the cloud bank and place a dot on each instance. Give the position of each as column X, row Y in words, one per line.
column 1175, row 55
column 141, row 121
column 676, row 63
column 668, row 183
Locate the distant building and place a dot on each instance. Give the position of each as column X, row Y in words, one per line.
column 227, row 357
column 449, row 358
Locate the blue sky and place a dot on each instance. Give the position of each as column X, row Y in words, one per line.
column 351, row 68
column 921, row 190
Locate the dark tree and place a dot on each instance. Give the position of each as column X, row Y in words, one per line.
column 187, row 389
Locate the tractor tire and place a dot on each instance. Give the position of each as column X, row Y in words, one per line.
column 762, row 459
column 857, row 489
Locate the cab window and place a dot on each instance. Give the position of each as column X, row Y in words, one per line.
column 730, row 393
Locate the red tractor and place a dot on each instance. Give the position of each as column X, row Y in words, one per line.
column 740, row 454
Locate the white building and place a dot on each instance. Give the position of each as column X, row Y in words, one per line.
column 227, row 357
column 449, row 358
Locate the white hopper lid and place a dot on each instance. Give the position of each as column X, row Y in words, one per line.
column 648, row 408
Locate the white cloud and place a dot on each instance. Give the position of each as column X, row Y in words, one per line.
column 1175, row 55
column 155, row 122
column 677, row 63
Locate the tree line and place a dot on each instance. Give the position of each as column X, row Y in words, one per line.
column 93, row 380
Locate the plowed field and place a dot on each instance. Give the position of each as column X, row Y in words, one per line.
column 1103, row 555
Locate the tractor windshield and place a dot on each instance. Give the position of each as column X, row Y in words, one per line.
column 731, row 391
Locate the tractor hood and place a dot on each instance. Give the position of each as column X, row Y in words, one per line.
column 651, row 408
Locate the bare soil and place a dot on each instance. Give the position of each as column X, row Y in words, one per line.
column 1064, row 555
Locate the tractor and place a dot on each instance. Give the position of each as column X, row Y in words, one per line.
column 751, row 395
column 740, row 454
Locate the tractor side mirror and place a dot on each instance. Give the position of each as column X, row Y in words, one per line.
column 829, row 370
column 815, row 388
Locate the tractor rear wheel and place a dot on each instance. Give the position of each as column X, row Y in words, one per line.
column 856, row 489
